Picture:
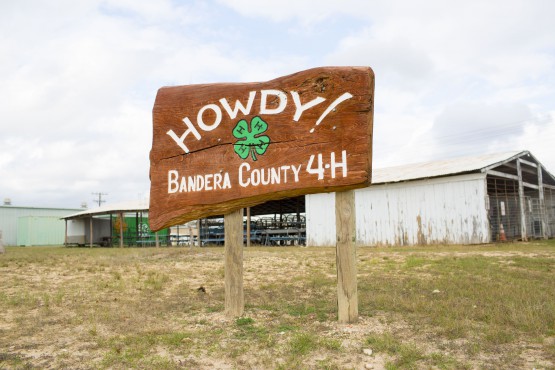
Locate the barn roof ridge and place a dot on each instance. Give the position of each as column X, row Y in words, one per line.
column 447, row 167
column 402, row 173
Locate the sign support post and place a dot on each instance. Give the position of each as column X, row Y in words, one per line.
column 345, row 223
column 220, row 148
column 234, row 296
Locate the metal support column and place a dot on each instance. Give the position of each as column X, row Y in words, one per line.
column 91, row 232
column 523, row 225
column 543, row 213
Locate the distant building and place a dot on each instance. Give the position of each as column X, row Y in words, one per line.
column 28, row 226
column 482, row 199
column 123, row 223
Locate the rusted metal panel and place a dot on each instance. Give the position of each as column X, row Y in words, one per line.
column 436, row 211
column 439, row 211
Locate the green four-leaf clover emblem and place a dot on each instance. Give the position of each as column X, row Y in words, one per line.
column 252, row 141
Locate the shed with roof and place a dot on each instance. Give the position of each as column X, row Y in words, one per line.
column 469, row 200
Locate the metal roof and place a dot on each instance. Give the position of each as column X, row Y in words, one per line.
column 415, row 171
column 288, row 205
column 441, row 168
column 128, row 206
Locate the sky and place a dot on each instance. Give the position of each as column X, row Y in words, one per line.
column 78, row 79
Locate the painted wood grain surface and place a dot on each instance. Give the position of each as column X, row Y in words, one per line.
column 220, row 147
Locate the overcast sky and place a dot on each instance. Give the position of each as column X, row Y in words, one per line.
column 78, row 79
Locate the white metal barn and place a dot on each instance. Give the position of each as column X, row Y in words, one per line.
column 471, row 200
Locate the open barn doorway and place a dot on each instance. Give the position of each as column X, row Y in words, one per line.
column 274, row 223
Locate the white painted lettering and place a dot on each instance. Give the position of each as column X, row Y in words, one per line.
column 217, row 121
column 206, row 182
column 342, row 164
column 275, row 175
column 238, row 106
column 263, row 173
column 247, row 168
column 207, row 179
column 296, row 171
column 217, row 181
column 200, row 182
column 255, row 177
column 300, row 108
column 180, row 139
column 191, row 185
column 263, row 101
column 183, row 186
column 227, row 183
column 285, row 168
column 172, row 181
column 334, row 104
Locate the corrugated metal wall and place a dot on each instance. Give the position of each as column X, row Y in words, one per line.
column 43, row 230
column 320, row 219
column 448, row 210
column 9, row 216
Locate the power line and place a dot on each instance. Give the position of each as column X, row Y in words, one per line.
column 99, row 199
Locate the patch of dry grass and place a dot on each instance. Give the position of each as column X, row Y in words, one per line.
column 441, row 307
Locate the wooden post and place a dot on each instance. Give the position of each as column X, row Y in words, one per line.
column 157, row 240
column 234, row 297
column 91, row 232
column 121, row 230
column 248, row 227
column 345, row 223
column 523, row 225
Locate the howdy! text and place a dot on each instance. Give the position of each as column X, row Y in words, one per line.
column 282, row 97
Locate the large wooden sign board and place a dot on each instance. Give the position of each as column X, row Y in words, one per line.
column 221, row 147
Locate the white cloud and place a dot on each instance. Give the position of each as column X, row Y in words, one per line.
column 79, row 78
column 79, row 86
column 473, row 76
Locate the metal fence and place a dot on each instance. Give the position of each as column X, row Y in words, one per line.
column 505, row 216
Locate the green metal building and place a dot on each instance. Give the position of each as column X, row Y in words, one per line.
column 27, row 226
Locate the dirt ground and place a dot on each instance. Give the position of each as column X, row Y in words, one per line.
column 164, row 308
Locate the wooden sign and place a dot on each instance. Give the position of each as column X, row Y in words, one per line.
column 220, row 147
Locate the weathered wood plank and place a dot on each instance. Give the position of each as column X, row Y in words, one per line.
column 234, row 296
column 220, row 147
column 347, row 294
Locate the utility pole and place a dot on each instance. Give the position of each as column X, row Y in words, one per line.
column 99, row 196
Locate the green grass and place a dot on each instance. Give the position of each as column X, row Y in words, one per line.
column 303, row 343
column 407, row 355
column 439, row 307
